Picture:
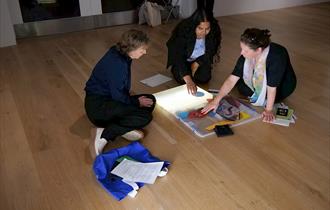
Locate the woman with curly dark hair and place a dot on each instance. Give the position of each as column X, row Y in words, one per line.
column 192, row 49
column 263, row 73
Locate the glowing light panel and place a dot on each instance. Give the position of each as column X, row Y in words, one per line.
column 177, row 99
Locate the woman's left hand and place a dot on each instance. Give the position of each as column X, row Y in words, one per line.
column 267, row 116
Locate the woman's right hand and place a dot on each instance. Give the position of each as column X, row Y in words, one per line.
column 191, row 86
column 212, row 105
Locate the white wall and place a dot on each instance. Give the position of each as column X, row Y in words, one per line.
column 187, row 7
column 15, row 11
column 7, row 34
column 230, row 7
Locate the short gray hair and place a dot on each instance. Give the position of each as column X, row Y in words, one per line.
column 131, row 40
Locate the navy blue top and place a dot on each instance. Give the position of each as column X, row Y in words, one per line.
column 111, row 77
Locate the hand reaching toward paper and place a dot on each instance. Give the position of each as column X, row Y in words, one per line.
column 212, row 105
column 191, row 86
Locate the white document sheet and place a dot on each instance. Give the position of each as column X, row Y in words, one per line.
column 138, row 172
column 156, row 80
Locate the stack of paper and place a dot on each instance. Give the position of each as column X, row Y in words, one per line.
column 132, row 171
column 283, row 115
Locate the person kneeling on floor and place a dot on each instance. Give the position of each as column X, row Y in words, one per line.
column 263, row 73
column 108, row 102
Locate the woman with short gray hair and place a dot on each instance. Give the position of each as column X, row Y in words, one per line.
column 108, row 102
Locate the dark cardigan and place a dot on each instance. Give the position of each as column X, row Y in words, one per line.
column 279, row 70
column 182, row 42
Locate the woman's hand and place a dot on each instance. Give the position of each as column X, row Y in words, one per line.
column 145, row 101
column 191, row 86
column 223, row 91
column 267, row 116
column 212, row 105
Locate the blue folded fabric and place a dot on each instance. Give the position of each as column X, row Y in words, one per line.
column 105, row 162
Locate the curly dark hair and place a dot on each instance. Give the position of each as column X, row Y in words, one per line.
column 200, row 15
column 131, row 40
column 255, row 38
column 190, row 24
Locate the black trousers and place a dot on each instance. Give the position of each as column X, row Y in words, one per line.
column 282, row 92
column 201, row 76
column 116, row 117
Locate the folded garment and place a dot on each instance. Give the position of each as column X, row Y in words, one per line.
column 105, row 162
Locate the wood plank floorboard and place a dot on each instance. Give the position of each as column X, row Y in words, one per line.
column 44, row 132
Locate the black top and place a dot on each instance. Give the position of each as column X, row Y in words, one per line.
column 182, row 42
column 111, row 77
column 278, row 66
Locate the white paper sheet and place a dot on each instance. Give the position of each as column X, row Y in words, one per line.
column 156, row 80
column 138, row 172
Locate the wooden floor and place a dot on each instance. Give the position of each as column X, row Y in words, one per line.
column 44, row 133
